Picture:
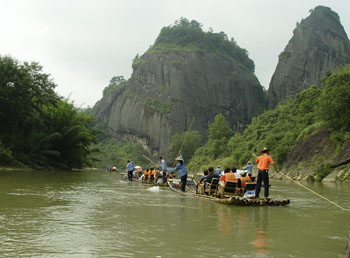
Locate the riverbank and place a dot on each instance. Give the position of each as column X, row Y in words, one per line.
column 337, row 175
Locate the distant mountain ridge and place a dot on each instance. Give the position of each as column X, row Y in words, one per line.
column 200, row 74
column 319, row 45
column 190, row 73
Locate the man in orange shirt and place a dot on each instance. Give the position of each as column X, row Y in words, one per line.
column 263, row 161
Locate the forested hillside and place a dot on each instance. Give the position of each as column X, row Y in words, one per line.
column 318, row 110
column 38, row 128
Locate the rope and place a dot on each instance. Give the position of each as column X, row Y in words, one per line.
column 311, row 190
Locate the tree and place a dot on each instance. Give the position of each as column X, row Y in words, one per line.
column 38, row 128
column 219, row 128
column 334, row 106
column 115, row 83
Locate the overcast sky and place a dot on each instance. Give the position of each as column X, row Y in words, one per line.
column 83, row 43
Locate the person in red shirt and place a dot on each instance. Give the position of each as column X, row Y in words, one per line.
column 263, row 161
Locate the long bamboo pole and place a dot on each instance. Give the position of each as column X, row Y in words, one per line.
column 310, row 190
column 150, row 160
column 188, row 131
column 183, row 143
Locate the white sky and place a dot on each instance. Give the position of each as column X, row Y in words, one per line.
column 83, row 43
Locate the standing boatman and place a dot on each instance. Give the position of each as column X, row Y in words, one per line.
column 263, row 161
column 130, row 167
column 163, row 168
column 249, row 167
column 181, row 169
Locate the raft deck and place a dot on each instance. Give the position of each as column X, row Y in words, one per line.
column 241, row 201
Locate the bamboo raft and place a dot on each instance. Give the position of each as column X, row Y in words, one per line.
column 241, row 201
column 125, row 178
column 175, row 185
column 237, row 200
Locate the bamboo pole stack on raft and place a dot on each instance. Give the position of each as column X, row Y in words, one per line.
column 237, row 200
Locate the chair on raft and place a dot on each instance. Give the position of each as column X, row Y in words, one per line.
column 210, row 188
column 249, row 186
column 230, row 188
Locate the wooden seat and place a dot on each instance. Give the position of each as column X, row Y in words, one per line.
column 249, row 186
column 210, row 188
column 230, row 188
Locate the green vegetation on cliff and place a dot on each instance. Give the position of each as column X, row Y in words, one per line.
column 280, row 129
column 38, row 128
column 117, row 82
column 116, row 153
column 188, row 35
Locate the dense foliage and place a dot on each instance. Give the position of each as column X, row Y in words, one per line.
column 38, row 128
column 216, row 147
column 189, row 146
column 314, row 109
column 189, row 34
column 116, row 153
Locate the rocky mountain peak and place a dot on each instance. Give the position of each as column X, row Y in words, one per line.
column 187, row 73
column 319, row 44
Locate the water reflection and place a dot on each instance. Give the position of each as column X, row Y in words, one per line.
column 95, row 214
column 261, row 242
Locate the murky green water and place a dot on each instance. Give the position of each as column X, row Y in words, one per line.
column 96, row 214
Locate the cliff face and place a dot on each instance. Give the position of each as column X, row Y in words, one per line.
column 168, row 89
column 319, row 44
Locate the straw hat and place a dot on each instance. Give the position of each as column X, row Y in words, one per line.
column 265, row 150
column 249, row 162
column 179, row 158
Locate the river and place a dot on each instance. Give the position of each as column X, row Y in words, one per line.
column 94, row 213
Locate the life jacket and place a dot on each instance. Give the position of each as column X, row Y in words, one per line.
column 230, row 177
column 244, row 180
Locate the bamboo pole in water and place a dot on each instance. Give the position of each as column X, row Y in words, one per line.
column 310, row 189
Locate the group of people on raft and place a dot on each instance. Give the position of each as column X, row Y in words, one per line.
column 153, row 174
column 229, row 174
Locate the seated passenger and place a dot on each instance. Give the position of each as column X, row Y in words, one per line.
column 205, row 174
column 228, row 176
column 211, row 175
column 145, row 175
column 156, row 175
column 171, row 175
column 139, row 172
column 200, row 185
column 150, row 174
column 244, row 179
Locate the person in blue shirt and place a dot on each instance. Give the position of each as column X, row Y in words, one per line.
column 182, row 171
column 163, row 167
column 249, row 167
column 211, row 175
column 218, row 171
column 130, row 167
